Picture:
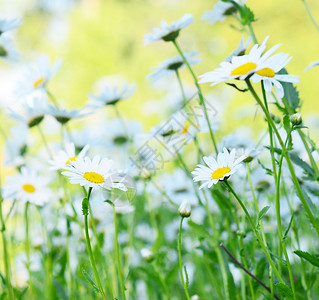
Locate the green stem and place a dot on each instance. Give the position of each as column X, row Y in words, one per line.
column 218, row 252
column 162, row 280
column 27, row 245
column 200, row 94
column 286, row 155
column 179, row 244
column 52, row 98
column 88, row 244
column 98, row 245
column 117, row 251
column 310, row 15
column 45, row 141
column 255, row 231
column 282, row 246
column 5, row 253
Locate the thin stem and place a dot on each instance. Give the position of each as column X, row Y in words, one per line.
column 200, row 94
column 88, row 244
column 179, row 245
column 245, row 270
column 27, row 245
column 98, row 245
column 117, row 251
column 52, row 98
column 255, row 230
column 218, row 252
column 282, row 245
column 310, row 15
column 287, row 157
column 45, row 141
column 5, row 253
column 162, row 280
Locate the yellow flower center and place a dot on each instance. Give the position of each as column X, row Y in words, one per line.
column 93, row 177
column 29, row 188
column 220, row 172
column 266, row 72
column 243, row 69
column 185, row 129
column 71, row 159
column 38, row 82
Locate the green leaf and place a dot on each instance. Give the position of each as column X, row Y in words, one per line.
column 109, row 202
column 299, row 162
column 201, row 231
column 88, row 278
column 268, row 171
column 312, row 207
column 260, row 215
column 246, row 15
column 186, row 275
column 288, row 228
column 314, row 260
column 284, row 290
column 291, row 94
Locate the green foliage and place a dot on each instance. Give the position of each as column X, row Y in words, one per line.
column 314, row 260
column 284, row 291
column 260, row 215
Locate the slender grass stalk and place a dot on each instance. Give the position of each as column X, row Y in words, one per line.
column 255, row 230
column 313, row 20
column 162, row 280
column 45, row 143
column 179, row 245
column 98, row 245
column 88, row 244
column 286, row 155
column 5, row 252
column 117, row 252
column 200, row 94
column 216, row 248
column 27, row 246
column 280, row 236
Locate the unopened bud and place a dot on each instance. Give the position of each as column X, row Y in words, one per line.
column 296, row 119
column 195, row 297
column 185, row 209
column 147, row 254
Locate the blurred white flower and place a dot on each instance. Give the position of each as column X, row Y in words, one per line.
column 37, row 76
column 8, row 50
column 28, row 186
column 168, row 32
column 170, row 65
column 6, row 25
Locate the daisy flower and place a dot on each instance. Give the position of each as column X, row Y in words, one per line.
column 63, row 116
column 110, row 95
column 8, row 50
column 6, row 25
column 240, row 67
column 170, row 65
column 33, row 112
column 37, row 76
column 65, row 157
column 219, row 170
column 28, row 186
column 95, row 173
column 221, row 10
column 168, row 32
column 267, row 72
column 241, row 49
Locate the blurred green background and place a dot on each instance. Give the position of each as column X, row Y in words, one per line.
column 106, row 37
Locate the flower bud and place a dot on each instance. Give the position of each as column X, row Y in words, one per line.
column 296, row 119
column 185, row 209
column 195, row 297
column 147, row 254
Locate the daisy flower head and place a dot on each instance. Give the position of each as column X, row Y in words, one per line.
column 267, row 72
column 168, row 32
column 63, row 116
column 95, row 173
column 111, row 94
column 28, row 186
column 170, row 65
column 221, row 10
column 64, row 157
column 37, row 76
column 8, row 50
column 217, row 170
column 6, row 25
column 240, row 67
column 33, row 111
column 241, row 49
